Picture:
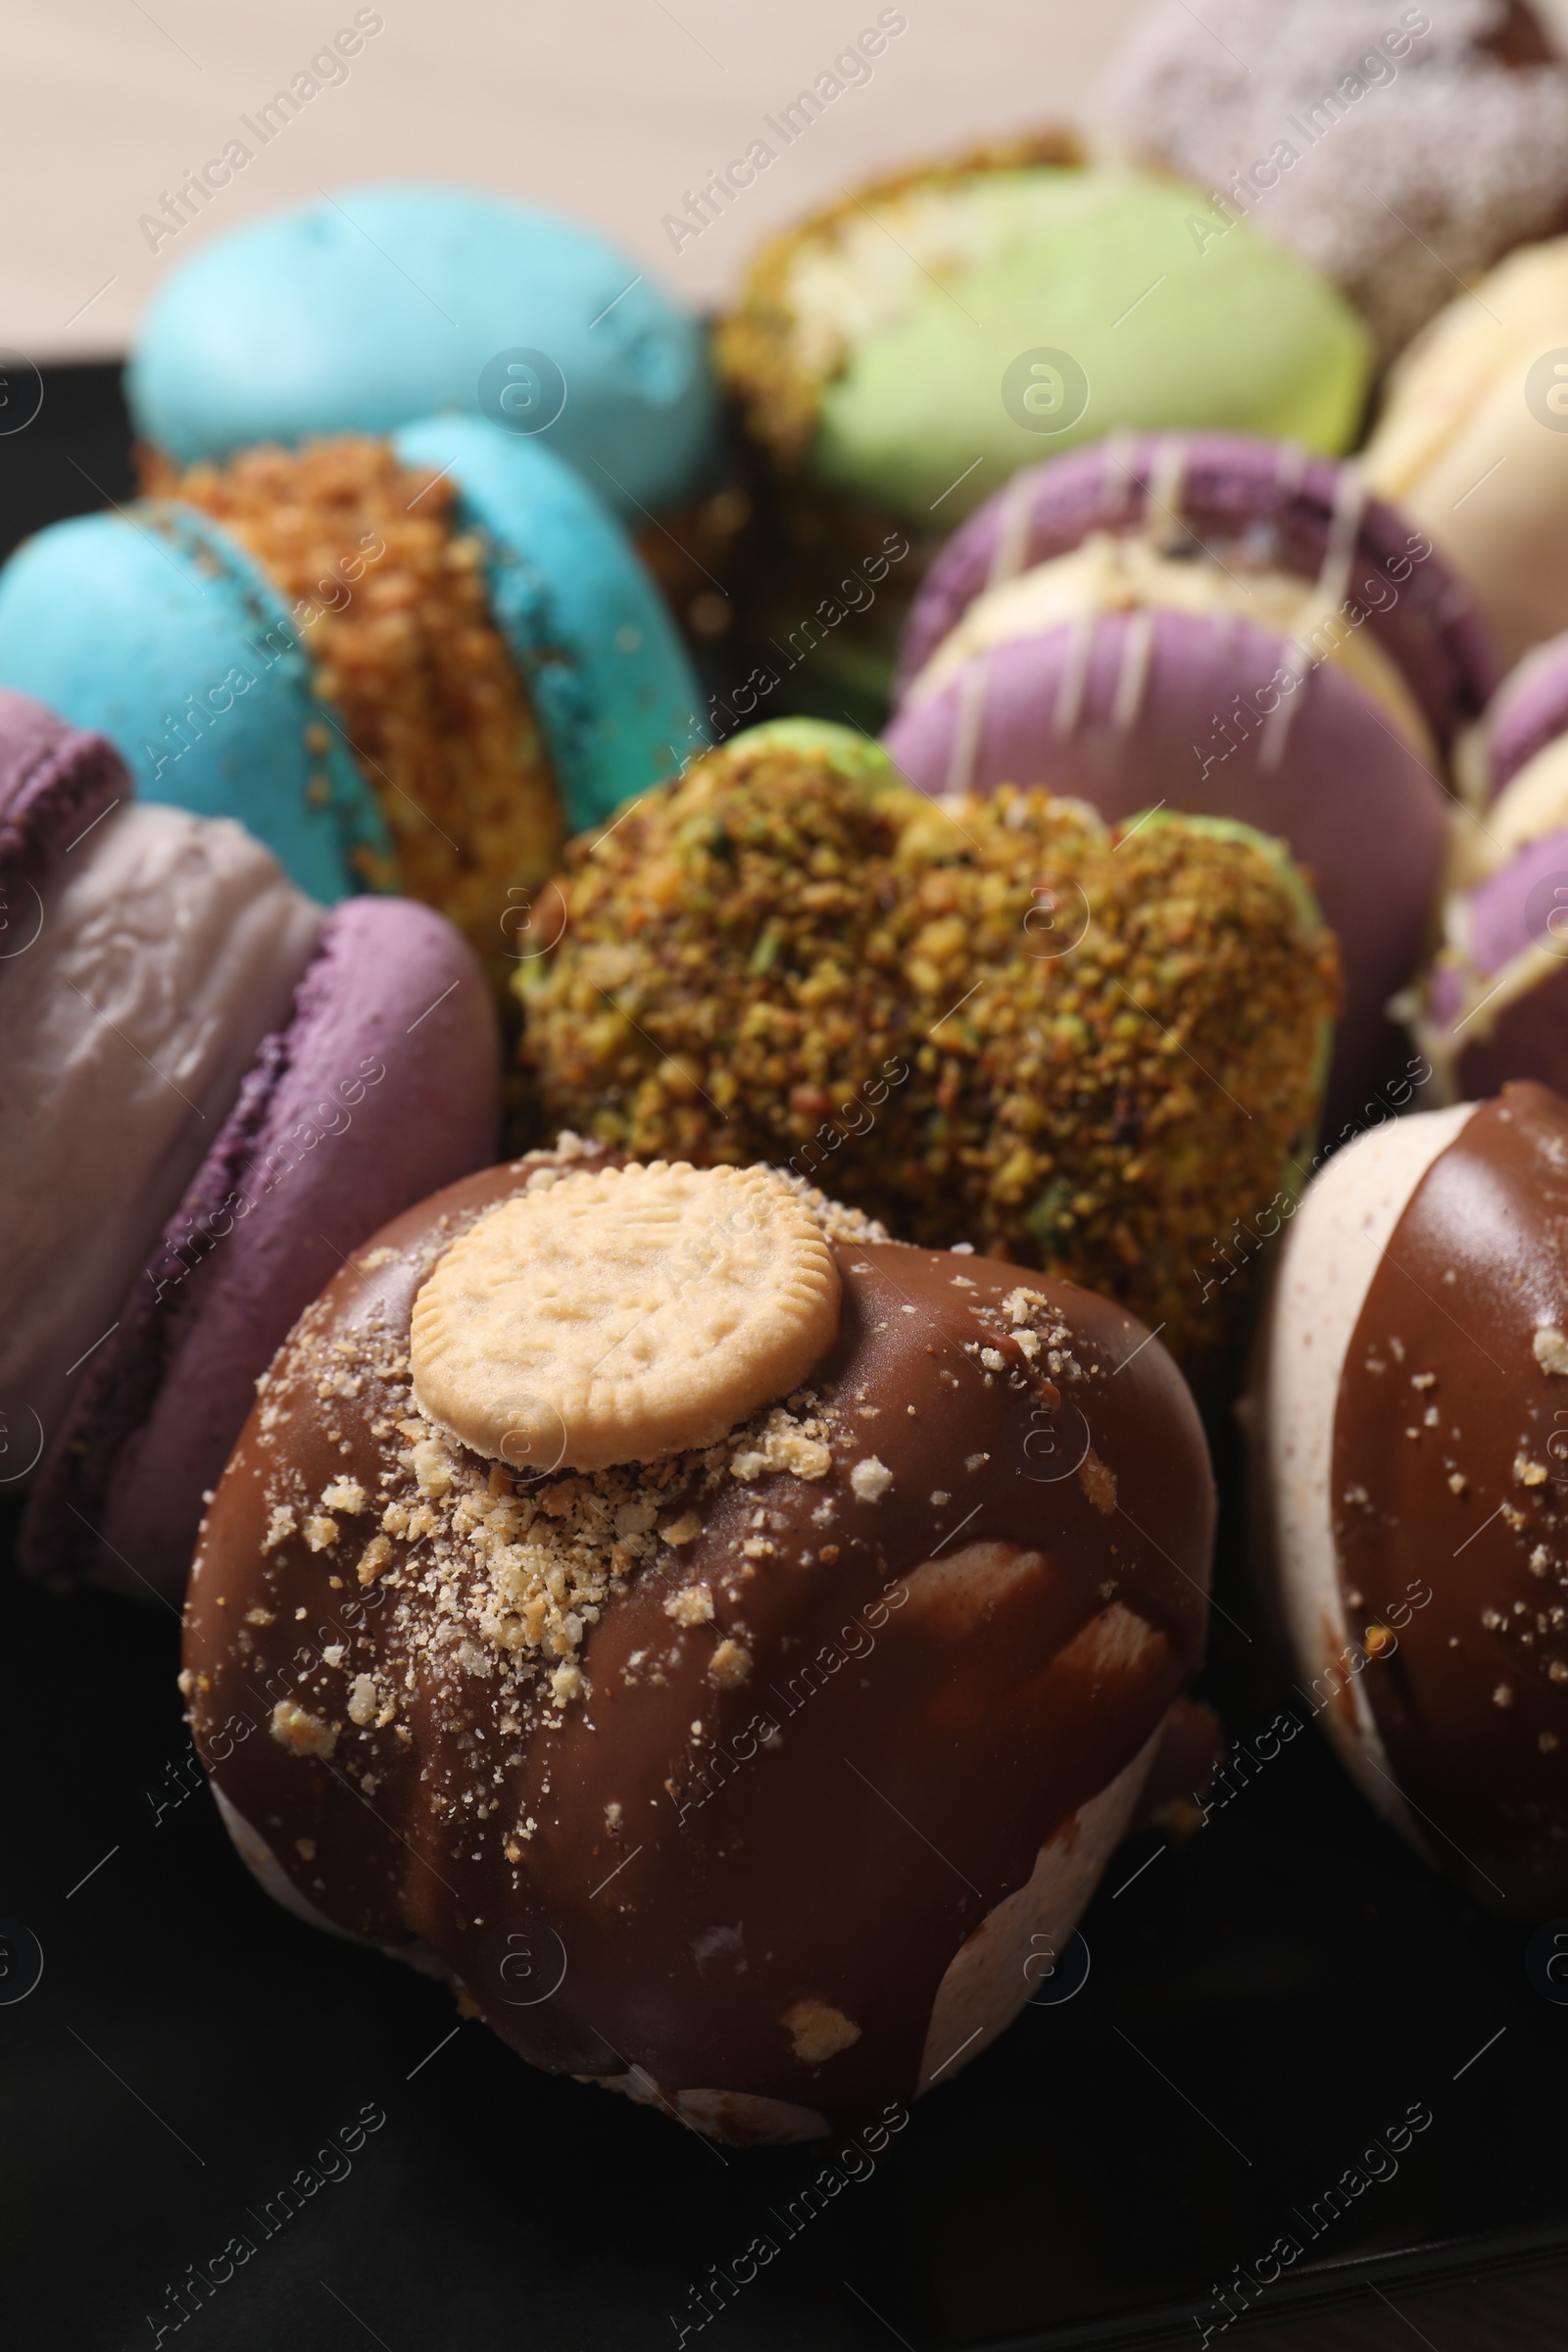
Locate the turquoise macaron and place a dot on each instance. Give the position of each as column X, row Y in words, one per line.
column 362, row 311
column 153, row 627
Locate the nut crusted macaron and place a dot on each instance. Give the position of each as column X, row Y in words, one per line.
column 1472, row 442
column 1493, row 1004
column 414, row 663
column 1412, row 1419
column 1398, row 151
column 994, row 1018
column 685, row 1866
column 327, row 319
column 922, row 338
column 1226, row 627
column 212, row 1088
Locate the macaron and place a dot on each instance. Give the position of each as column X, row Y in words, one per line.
column 793, row 1619
column 990, row 1021
column 405, row 663
column 370, row 307
column 1411, row 1423
column 914, row 343
column 1401, row 151
column 1224, row 626
column 214, row 1088
column 1493, row 1003
column 1472, row 442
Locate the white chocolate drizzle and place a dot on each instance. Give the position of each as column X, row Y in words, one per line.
column 974, row 689
column 1132, row 678
column 1074, row 677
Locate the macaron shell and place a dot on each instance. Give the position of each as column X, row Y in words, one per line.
column 55, row 783
column 615, row 694
column 1529, row 711
column 392, row 989
column 1106, row 267
column 126, row 623
column 1226, row 486
column 365, row 309
column 1043, row 712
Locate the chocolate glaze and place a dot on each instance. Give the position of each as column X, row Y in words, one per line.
column 928, row 1733
column 1475, row 1265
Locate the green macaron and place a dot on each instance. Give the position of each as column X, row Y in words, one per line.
column 915, row 344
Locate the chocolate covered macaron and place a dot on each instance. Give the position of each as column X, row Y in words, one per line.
column 726, row 1641
column 1223, row 626
column 1414, row 1421
column 999, row 1019
column 213, row 1088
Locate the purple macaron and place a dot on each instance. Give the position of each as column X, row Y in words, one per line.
column 1529, row 711
column 1493, row 1006
column 1183, row 696
column 272, row 1083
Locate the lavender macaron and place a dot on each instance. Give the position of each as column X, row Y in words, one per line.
column 1494, row 1005
column 1227, row 628
column 213, row 1090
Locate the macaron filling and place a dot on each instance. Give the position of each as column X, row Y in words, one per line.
column 1506, row 929
column 394, row 601
column 1112, row 571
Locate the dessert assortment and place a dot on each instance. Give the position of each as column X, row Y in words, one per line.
column 651, row 1547
column 604, row 1536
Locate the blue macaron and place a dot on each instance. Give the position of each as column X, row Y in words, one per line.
column 365, row 310
column 153, row 627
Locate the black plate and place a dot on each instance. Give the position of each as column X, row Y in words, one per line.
column 220, row 2121
column 1266, row 2013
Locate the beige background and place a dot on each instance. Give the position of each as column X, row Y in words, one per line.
column 609, row 108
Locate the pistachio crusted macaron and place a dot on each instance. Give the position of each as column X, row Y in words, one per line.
column 410, row 662
column 997, row 1020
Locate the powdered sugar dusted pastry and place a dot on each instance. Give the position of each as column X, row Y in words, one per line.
column 1414, row 1369
column 747, row 1774
column 1396, row 149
